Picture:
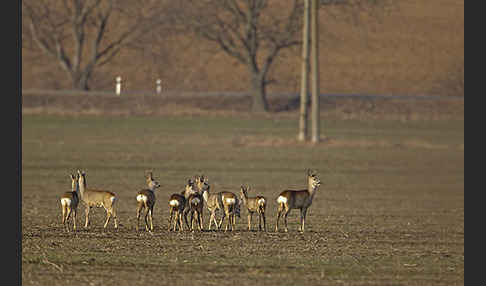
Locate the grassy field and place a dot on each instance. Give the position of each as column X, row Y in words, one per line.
column 390, row 210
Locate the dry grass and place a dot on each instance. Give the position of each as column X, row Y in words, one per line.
column 238, row 105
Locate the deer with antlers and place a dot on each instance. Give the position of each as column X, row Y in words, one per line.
column 69, row 203
column 254, row 204
column 301, row 199
column 146, row 201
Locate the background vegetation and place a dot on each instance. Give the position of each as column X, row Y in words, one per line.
column 415, row 48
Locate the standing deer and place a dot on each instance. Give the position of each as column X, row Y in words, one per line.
column 213, row 202
column 146, row 200
column 254, row 204
column 97, row 198
column 177, row 203
column 69, row 203
column 302, row 199
column 178, row 206
column 190, row 189
column 231, row 207
column 196, row 204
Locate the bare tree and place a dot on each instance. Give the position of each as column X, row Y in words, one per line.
column 84, row 34
column 252, row 31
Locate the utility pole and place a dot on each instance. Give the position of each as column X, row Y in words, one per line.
column 304, row 85
column 315, row 71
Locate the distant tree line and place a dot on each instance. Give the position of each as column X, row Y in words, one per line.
column 254, row 32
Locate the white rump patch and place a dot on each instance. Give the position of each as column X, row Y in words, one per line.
column 282, row 200
column 65, row 201
column 174, row 203
column 196, row 201
column 141, row 198
column 261, row 201
column 230, row 200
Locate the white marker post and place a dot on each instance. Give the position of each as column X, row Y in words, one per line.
column 118, row 85
column 158, row 87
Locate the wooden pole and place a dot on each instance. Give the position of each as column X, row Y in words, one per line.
column 304, row 85
column 315, row 71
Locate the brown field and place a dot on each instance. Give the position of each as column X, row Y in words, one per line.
column 390, row 210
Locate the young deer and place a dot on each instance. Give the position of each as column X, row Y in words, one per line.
column 69, row 203
column 177, row 203
column 254, row 204
column 302, row 199
column 146, row 200
column 231, row 207
column 97, row 198
column 213, row 202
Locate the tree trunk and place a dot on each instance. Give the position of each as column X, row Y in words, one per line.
column 304, row 91
column 80, row 80
column 259, row 95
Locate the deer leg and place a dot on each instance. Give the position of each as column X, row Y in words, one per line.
column 303, row 214
column 201, row 228
column 279, row 213
column 147, row 211
column 250, row 214
column 87, row 216
column 113, row 213
column 170, row 218
column 74, row 218
column 176, row 220
column 181, row 227
column 222, row 218
column 108, row 216
column 151, row 218
column 185, row 212
column 259, row 220
column 287, row 210
column 211, row 218
column 63, row 208
column 264, row 222
column 139, row 209
column 193, row 220
column 66, row 222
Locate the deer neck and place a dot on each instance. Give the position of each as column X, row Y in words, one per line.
column 244, row 198
column 76, row 190
column 81, row 187
column 311, row 189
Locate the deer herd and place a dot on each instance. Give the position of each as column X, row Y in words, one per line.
column 191, row 201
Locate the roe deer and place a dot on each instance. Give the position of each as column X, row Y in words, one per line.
column 196, row 204
column 177, row 203
column 254, row 204
column 97, row 198
column 302, row 199
column 190, row 189
column 213, row 202
column 69, row 203
column 178, row 206
column 146, row 200
column 231, row 207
